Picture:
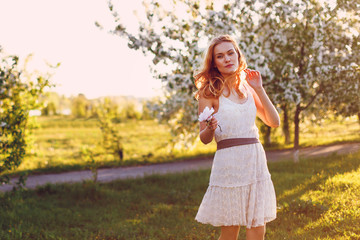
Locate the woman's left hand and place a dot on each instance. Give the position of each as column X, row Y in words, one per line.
column 253, row 78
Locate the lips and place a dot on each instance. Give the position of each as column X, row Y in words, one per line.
column 229, row 65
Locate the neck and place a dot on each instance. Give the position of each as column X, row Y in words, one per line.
column 231, row 80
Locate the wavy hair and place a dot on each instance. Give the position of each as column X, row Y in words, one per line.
column 209, row 81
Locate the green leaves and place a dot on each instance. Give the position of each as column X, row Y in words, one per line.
column 17, row 97
column 112, row 140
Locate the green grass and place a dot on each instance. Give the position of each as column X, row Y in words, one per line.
column 326, row 132
column 58, row 142
column 317, row 199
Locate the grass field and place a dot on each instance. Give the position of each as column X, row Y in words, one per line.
column 58, row 142
column 317, row 200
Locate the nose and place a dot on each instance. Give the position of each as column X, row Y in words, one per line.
column 227, row 58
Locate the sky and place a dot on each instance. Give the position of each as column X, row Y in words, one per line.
column 92, row 61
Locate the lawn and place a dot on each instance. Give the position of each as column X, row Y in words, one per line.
column 57, row 144
column 317, row 199
column 58, row 141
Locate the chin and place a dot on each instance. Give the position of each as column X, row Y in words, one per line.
column 228, row 72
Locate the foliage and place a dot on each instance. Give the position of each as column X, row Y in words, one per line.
column 300, row 47
column 122, row 108
column 347, row 85
column 55, row 104
column 112, row 140
column 49, row 109
column 19, row 93
column 147, row 113
column 80, row 106
column 129, row 111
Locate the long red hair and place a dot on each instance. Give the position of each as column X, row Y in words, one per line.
column 209, row 81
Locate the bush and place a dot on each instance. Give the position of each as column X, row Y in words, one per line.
column 18, row 95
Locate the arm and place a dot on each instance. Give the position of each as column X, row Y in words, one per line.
column 265, row 109
column 207, row 131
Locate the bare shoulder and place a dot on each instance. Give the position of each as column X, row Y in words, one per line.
column 207, row 102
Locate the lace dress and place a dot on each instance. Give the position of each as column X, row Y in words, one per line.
column 240, row 190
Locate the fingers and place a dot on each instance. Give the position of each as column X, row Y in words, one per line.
column 248, row 71
column 251, row 74
column 212, row 125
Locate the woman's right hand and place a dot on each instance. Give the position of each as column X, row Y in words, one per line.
column 207, row 129
column 212, row 124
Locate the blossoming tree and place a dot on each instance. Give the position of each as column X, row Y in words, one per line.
column 312, row 48
column 300, row 47
column 176, row 39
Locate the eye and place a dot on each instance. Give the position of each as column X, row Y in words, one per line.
column 219, row 56
column 231, row 53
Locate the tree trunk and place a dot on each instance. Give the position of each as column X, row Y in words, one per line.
column 267, row 136
column 285, row 125
column 121, row 154
column 296, row 132
column 359, row 117
column 120, row 150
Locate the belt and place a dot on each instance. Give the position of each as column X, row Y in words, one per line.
column 231, row 142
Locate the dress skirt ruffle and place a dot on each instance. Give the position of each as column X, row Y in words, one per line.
column 251, row 205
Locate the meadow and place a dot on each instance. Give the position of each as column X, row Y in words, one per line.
column 57, row 142
column 318, row 199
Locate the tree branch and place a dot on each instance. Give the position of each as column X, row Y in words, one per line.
column 313, row 98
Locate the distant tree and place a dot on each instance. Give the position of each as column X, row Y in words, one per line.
column 93, row 109
column 129, row 111
column 45, row 111
column 49, row 109
column 111, row 108
column 266, row 134
column 64, row 107
column 19, row 93
column 112, row 140
column 51, row 102
column 148, row 112
column 80, row 106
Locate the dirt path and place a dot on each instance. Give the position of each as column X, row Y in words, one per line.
column 108, row 175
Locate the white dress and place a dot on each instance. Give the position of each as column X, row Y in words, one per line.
column 240, row 190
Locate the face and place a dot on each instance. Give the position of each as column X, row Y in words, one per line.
column 225, row 58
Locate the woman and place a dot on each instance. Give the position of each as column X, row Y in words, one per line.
column 240, row 191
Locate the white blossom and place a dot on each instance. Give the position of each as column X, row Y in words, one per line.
column 206, row 114
column 270, row 44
